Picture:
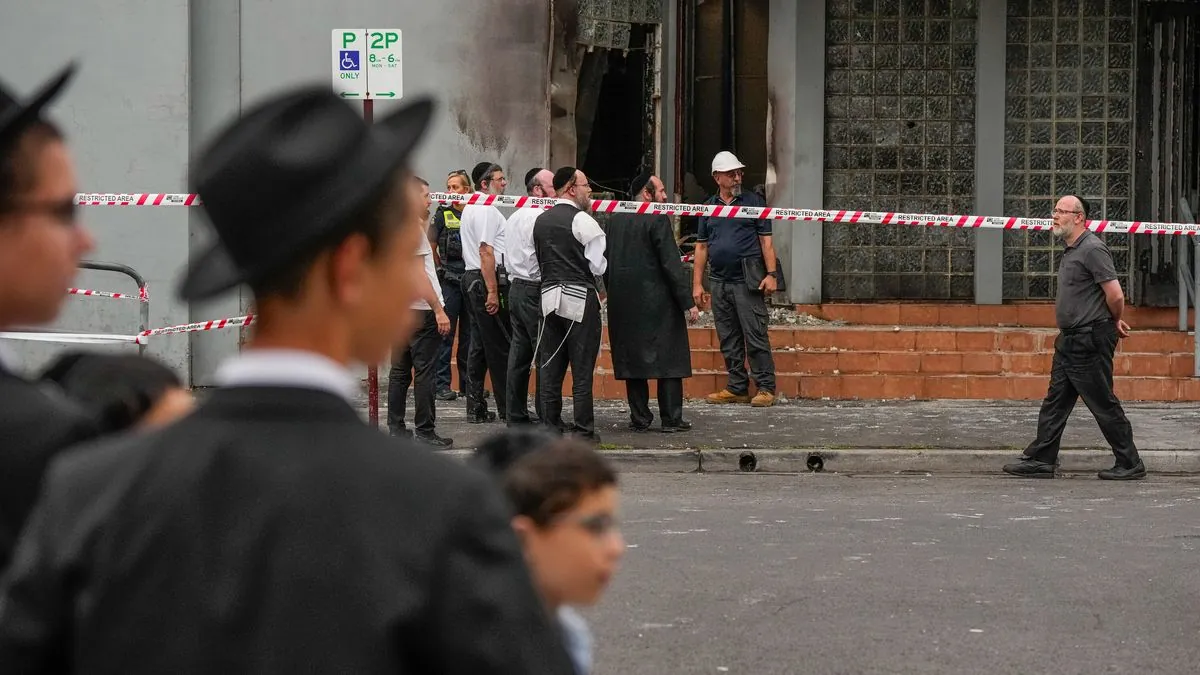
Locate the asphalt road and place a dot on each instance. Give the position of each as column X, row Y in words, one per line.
column 815, row 574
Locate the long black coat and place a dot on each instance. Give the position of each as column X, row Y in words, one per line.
column 647, row 297
column 271, row 531
column 35, row 424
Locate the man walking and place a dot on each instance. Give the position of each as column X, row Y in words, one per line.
column 1088, row 311
column 418, row 358
column 647, row 305
column 41, row 243
column 272, row 530
column 570, row 251
column 482, row 233
column 524, row 298
column 733, row 246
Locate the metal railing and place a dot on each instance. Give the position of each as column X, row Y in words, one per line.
column 144, row 301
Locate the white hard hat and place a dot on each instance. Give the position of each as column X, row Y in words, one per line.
column 726, row 161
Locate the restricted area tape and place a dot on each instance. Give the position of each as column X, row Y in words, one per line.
column 105, row 294
column 197, row 327
column 718, row 210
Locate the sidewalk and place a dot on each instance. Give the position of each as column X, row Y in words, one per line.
column 867, row 436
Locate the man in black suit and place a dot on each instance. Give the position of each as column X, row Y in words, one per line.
column 41, row 243
column 272, row 530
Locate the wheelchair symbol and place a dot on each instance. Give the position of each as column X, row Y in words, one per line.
column 349, row 60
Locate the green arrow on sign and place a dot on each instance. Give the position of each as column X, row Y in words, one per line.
column 346, row 94
column 389, row 94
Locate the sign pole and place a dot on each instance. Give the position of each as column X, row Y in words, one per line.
column 373, row 370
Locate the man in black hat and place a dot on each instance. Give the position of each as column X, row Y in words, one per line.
column 272, row 530
column 649, row 299
column 41, row 243
column 482, row 232
column 570, row 251
column 524, row 299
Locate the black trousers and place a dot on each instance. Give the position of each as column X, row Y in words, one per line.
column 741, row 317
column 525, row 311
column 460, row 324
column 577, row 345
column 419, row 356
column 489, row 346
column 1083, row 368
column 670, row 401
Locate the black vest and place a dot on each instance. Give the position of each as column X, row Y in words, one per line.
column 559, row 253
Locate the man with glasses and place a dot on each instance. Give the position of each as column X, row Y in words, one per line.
column 1088, row 311
column 41, row 244
column 570, row 250
column 524, row 298
column 732, row 246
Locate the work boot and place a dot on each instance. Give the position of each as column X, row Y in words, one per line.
column 1135, row 472
column 726, row 396
column 432, row 439
column 1029, row 467
column 763, row 399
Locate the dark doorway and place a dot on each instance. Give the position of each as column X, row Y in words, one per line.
column 615, row 113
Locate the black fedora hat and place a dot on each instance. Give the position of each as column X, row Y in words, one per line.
column 16, row 116
column 285, row 176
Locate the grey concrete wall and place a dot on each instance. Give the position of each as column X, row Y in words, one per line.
column 133, row 123
column 989, row 150
column 126, row 116
column 796, row 137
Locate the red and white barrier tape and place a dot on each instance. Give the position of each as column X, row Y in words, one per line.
column 105, row 294
column 200, row 326
column 769, row 213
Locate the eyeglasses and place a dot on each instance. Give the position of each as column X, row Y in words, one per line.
column 65, row 211
column 599, row 525
column 1063, row 212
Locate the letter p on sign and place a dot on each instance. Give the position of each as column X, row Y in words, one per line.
column 348, row 38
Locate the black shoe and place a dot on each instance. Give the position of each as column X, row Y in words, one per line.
column 432, row 439
column 1135, row 472
column 589, row 436
column 481, row 417
column 682, row 425
column 639, row 428
column 446, row 394
column 400, row 433
column 1030, row 468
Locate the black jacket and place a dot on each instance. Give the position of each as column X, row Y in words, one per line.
column 271, row 531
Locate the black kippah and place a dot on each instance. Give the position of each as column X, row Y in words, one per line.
column 532, row 172
column 563, row 177
column 639, row 183
column 478, row 171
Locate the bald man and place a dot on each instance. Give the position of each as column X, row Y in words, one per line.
column 524, row 298
column 1088, row 311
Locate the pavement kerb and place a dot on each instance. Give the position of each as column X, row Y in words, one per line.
column 870, row 460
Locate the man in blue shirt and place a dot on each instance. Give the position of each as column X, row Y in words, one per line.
column 740, row 311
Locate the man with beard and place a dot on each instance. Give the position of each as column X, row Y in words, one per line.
column 273, row 530
column 524, row 298
column 1088, row 311
column 41, row 243
column 570, row 251
column 648, row 300
column 482, row 233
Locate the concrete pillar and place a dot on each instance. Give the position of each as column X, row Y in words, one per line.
column 668, row 72
column 215, row 75
column 796, row 137
column 989, row 150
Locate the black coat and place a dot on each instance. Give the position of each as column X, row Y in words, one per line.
column 271, row 531
column 35, row 424
column 647, row 297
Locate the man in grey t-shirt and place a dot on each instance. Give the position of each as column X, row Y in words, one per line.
column 1088, row 312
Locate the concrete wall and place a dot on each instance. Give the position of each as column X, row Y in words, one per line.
column 161, row 75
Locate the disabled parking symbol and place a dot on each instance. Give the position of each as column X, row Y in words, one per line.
column 349, row 59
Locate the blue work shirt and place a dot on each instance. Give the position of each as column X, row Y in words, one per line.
column 732, row 239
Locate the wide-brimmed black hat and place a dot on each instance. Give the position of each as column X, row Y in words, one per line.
column 16, row 116
column 286, row 175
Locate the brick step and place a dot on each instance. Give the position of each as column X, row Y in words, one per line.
column 1028, row 314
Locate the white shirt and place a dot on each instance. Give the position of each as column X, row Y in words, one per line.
column 520, row 256
column 481, row 225
column 288, row 368
column 425, row 252
column 588, row 232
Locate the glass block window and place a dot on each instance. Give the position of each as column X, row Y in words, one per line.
column 1068, row 129
column 899, row 136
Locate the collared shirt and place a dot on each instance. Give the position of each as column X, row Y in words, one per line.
column 732, row 239
column 288, row 368
column 520, row 255
column 425, row 253
column 589, row 233
column 481, row 225
column 1082, row 267
column 578, row 638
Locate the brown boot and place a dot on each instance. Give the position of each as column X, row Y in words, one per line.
column 763, row 399
column 726, row 396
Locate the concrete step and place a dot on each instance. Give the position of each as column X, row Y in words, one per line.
column 1028, row 314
